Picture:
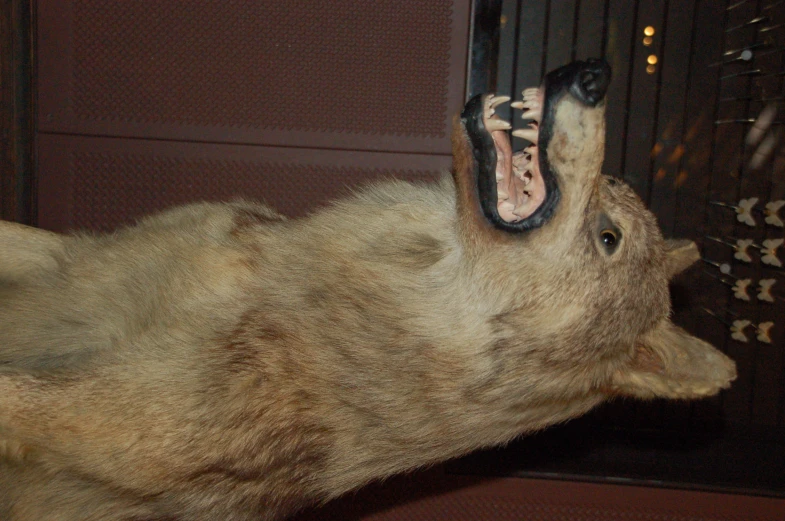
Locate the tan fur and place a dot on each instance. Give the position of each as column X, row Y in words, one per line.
column 218, row 361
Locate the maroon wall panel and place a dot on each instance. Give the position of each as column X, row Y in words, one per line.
column 101, row 183
column 382, row 75
column 429, row 496
column 147, row 104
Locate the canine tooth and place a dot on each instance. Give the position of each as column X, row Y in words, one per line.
column 497, row 124
column 532, row 114
column 526, row 133
column 496, row 101
column 499, row 176
column 531, row 92
column 502, row 194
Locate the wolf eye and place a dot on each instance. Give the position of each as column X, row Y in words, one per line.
column 608, row 238
column 607, row 234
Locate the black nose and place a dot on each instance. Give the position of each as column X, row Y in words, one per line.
column 587, row 81
column 591, row 81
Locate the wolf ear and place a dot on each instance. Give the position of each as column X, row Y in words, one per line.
column 25, row 250
column 680, row 255
column 668, row 362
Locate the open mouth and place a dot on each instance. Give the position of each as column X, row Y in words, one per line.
column 520, row 191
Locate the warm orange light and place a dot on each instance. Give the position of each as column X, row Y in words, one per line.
column 649, row 31
column 652, row 59
column 681, row 178
column 651, row 69
column 647, row 41
column 676, row 155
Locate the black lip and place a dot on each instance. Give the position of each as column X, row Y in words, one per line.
column 587, row 82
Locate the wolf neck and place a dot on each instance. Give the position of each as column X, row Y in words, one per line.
column 411, row 374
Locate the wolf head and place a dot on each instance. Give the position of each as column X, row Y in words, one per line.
column 584, row 257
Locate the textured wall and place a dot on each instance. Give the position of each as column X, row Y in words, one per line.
column 263, row 88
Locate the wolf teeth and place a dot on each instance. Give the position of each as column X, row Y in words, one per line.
column 529, row 103
column 497, row 124
column 526, row 179
column 492, row 102
column 529, row 134
column 498, row 100
column 532, row 114
column 531, row 107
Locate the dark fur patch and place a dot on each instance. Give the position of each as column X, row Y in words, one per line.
column 248, row 218
column 245, row 343
column 414, row 250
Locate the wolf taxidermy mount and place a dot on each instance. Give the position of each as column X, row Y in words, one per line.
column 219, row 361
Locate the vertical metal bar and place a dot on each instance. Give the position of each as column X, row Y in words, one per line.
column 628, row 94
column 16, row 112
column 484, row 46
column 575, row 21
column 509, row 28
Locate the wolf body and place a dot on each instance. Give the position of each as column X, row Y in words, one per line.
column 219, row 361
